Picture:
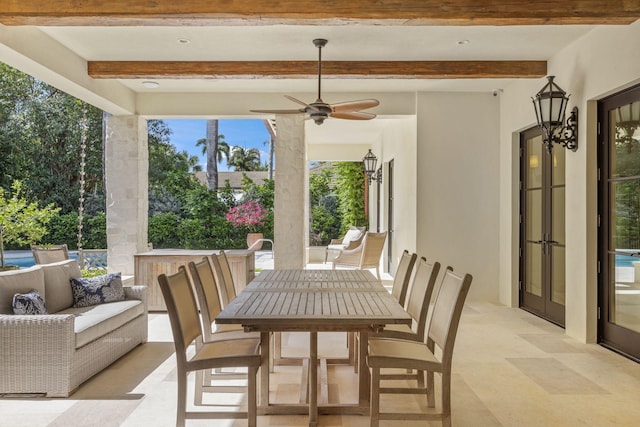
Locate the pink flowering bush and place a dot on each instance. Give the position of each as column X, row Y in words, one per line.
column 249, row 214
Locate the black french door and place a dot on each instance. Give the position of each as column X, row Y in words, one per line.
column 542, row 228
column 619, row 223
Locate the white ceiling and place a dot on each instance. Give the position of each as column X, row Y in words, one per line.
column 294, row 42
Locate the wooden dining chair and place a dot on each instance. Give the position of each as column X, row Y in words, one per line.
column 50, row 253
column 223, row 276
column 417, row 304
column 403, row 276
column 406, row 354
column 208, row 297
column 418, row 301
column 185, row 325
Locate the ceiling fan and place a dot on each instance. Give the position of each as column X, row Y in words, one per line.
column 320, row 110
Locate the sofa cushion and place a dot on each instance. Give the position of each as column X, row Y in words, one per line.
column 93, row 322
column 57, row 283
column 97, row 290
column 29, row 303
column 19, row 281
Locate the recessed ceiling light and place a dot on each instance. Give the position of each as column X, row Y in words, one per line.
column 184, row 40
column 150, row 84
column 462, row 42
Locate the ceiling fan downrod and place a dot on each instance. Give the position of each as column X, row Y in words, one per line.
column 319, row 43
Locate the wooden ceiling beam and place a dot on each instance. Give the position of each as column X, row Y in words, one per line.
column 329, row 12
column 308, row 69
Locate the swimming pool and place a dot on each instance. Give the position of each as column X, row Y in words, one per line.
column 25, row 259
column 625, row 260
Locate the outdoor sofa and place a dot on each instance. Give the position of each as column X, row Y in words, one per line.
column 52, row 354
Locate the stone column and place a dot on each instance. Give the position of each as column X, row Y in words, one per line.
column 127, row 183
column 290, row 227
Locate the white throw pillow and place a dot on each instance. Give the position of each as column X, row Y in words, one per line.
column 351, row 236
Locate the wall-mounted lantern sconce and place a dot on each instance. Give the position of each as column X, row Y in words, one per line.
column 550, row 105
column 627, row 121
column 370, row 161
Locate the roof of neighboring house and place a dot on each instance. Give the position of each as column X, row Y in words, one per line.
column 234, row 178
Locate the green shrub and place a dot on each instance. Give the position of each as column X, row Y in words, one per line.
column 64, row 229
column 94, row 232
column 163, row 230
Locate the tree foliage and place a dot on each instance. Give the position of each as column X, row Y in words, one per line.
column 21, row 221
column 349, row 191
column 40, row 134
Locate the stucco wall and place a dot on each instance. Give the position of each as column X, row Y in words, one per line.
column 458, row 178
column 601, row 63
column 398, row 143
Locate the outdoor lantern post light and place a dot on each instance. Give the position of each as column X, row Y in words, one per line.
column 550, row 104
column 370, row 161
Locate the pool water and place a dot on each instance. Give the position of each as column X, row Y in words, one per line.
column 625, row 260
column 25, row 259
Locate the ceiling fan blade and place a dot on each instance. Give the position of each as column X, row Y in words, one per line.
column 354, row 105
column 301, row 111
column 353, row 115
column 297, row 101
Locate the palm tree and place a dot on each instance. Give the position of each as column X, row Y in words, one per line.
column 271, row 128
column 244, row 160
column 194, row 163
column 215, row 148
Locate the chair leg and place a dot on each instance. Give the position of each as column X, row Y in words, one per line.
column 420, row 375
column 446, row 399
column 182, row 397
column 431, row 398
column 354, row 353
column 197, row 398
column 252, row 409
column 375, row 397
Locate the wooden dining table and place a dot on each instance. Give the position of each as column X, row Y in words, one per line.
column 314, row 301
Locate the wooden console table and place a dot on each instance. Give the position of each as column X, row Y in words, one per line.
column 149, row 265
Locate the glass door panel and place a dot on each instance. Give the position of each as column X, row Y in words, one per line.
column 534, row 217
column 619, row 195
column 557, row 216
column 533, row 281
column 558, row 277
column 558, row 166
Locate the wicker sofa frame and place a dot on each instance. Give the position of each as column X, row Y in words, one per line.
column 38, row 353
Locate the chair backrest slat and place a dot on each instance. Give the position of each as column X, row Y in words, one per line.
column 204, row 283
column 223, row 276
column 421, row 292
column 403, row 276
column 446, row 314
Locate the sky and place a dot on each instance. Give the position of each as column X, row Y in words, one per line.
column 247, row 133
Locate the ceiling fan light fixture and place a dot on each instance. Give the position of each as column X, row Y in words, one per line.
column 319, row 110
